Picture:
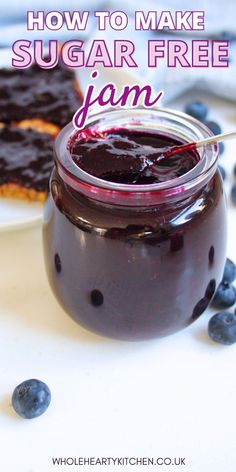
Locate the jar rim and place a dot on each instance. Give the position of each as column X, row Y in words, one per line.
column 161, row 119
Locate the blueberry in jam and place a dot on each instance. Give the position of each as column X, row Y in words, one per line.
column 211, row 255
column 57, row 261
column 96, row 297
column 141, row 247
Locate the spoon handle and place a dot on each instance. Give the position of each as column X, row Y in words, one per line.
column 194, row 145
column 215, row 139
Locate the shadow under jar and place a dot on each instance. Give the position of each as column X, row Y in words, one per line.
column 135, row 261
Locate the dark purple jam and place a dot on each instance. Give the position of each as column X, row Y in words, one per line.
column 141, row 271
column 48, row 94
column 26, row 158
column 127, row 156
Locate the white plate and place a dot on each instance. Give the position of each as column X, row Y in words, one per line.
column 17, row 214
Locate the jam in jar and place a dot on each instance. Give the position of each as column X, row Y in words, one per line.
column 134, row 250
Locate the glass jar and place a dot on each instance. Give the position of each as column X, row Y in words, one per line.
column 135, row 261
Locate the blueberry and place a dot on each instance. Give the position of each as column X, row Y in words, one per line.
column 57, row 262
column 234, row 170
column 200, row 307
column 225, row 296
column 221, row 148
column 210, row 290
column 31, row 398
column 222, row 171
column 229, row 271
column 96, row 297
column 233, row 194
column 197, row 109
column 213, row 126
column 222, row 328
column 227, row 36
column 211, row 255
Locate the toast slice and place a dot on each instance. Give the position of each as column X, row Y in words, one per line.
column 49, row 95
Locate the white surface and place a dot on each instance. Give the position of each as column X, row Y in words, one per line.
column 171, row 397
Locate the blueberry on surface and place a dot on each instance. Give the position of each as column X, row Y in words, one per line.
column 31, row 398
column 233, row 194
column 227, row 36
column 197, row 109
column 210, row 290
column 229, row 271
column 225, row 296
column 221, row 148
column 222, row 328
column 96, row 297
column 222, row 172
column 226, row 58
column 213, row 126
column 234, row 170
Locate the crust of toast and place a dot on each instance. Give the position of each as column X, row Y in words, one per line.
column 38, row 125
column 11, row 190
